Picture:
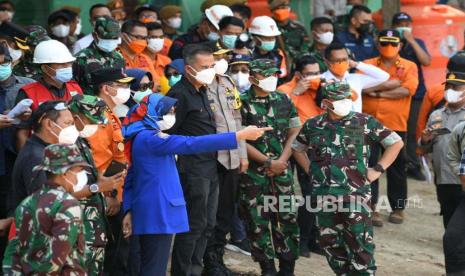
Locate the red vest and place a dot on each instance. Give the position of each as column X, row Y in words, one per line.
column 39, row 94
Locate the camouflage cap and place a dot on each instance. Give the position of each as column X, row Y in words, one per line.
column 36, row 35
column 263, row 66
column 336, row 91
column 90, row 106
column 58, row 158
column 107, row 28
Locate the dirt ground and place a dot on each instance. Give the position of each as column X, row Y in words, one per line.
column 412, row 248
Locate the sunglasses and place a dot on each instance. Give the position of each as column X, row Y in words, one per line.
column 385, row 43
column 172, row 74
column 145, row 86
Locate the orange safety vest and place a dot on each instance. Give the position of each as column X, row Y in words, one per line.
column 39, row 94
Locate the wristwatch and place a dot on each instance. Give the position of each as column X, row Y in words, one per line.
column 267, row 163
column 94, row 188
column 379, row 168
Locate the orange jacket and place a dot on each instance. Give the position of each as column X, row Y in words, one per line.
column 393, row 113
column 141, row 61
column 432, row 98
column 107, row 144
column 305, row 102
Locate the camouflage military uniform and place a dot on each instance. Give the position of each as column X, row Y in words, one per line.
column 26, row 68
column 92, row 57
column 339, row 152
column 49, row 232
column 275, row 110
column 295, row 38
column 319, row 57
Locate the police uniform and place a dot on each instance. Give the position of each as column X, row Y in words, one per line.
column 338, row 153
column 49, row 230
column 93, row 58
column 275, row 110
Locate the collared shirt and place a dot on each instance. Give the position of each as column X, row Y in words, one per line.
column 393, row 113
column 275, row 110
column 339, row 151
column 368, row 76
column 305, row 103
column 90, row 59
column 107, row 144
column 82, row 43
column 8, row 93
column 362, row 47
column 318, row 55
column 408, row 52
column 194, row 117
column 225, row 104
column 439, row 146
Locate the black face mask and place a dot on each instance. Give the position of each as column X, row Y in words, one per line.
column 364, row 28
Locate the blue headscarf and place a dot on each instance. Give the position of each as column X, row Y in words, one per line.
column 144, row 116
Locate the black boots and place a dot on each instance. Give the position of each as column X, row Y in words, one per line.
column 213, row 263
column 286, row 267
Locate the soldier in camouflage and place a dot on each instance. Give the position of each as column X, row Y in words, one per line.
column 339, row 143
column 49, row 232
column 268, row 176
column 26, row 68
column 295, row 38
column 100, row 54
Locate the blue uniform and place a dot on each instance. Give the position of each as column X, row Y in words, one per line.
column 363, row 48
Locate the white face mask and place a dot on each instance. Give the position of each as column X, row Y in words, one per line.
column 121, row 110
column 78, row 28
column 221, row 66
column 155, row 44
column 81, row 181
column 168, row 122
column 453, row 96
column 60, row 30
column 88, row 131
column 15, row 54
column 174, row 22
column 241, row 80
column 326, row 38
column 122, row 95
column 268, row 84
column 205, row 76
column 342, row 107
column 67, row 135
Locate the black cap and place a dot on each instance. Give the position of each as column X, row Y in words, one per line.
column 13, row 31
column 145, row 7
column 455, row 78
column 389, row 35
column 456, row 63
column 400, row 17
column 59, row 14
column 103, row 75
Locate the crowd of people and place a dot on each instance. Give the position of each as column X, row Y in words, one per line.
column 137, row 144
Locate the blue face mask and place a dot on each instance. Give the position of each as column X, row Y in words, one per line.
column 108, row 45
column 402, row 29
column 5, row 71
column 64, row 74
column 267, row 45
column 174, row 79
column 229, row 41
column 212, row 36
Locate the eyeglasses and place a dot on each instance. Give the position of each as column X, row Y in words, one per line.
column 385, row 43
column 137, row 36
column 145, row 86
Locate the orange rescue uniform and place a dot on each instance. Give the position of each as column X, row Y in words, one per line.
column 432, row 98
column 393, row 113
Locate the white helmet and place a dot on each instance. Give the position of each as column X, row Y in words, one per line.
column 216, row 13
column 264, row 26
column 52, row 51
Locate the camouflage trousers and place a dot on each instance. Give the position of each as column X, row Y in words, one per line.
column 94, row 260
column 271, row 233
column 347, row 239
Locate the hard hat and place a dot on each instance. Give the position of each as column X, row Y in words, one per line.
column 216, row 13
column 264, row 26
column 52, row 51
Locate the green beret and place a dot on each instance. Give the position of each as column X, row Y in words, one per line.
column 107, row 28
column 266, row 67
column 91, row 107
column 58, row 158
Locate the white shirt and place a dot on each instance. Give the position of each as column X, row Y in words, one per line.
column 82, row 43
column 371, row 76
